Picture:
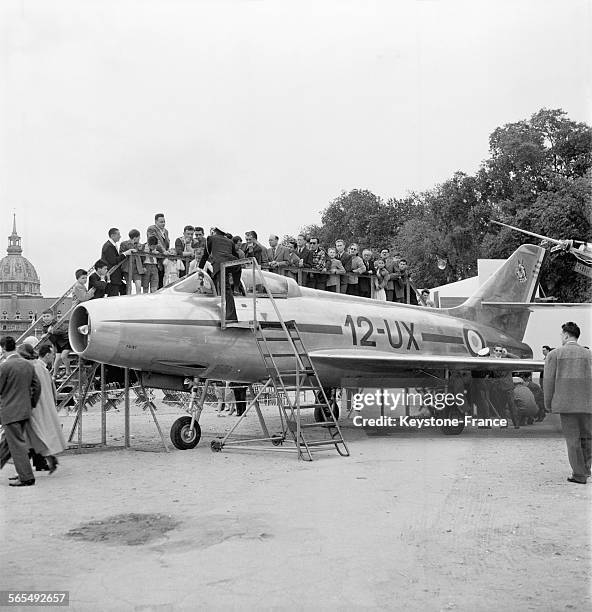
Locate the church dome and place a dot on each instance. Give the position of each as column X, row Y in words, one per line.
column 17, row 274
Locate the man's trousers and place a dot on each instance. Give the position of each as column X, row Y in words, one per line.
column 577, row 429
column 18, row 444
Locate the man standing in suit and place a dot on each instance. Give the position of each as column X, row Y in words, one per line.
column 19, row 393
column 278, row 255
column 219, row 249
column 162, row 236
column 404, row 289
column 111, row 256
column 346, row 259
column 390, row 263
column 356, row 268
column 365, row 280
column 568, row 391
column 304, row 256
column 252, row 248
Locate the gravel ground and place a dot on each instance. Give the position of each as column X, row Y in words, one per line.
column 411, row 521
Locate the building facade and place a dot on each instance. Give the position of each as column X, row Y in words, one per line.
column 21, row 301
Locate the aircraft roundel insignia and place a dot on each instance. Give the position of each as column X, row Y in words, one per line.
column 474, row 341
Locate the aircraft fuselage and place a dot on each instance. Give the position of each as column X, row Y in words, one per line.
column 180, row 334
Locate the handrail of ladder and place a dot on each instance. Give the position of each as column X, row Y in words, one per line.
column 256, row 268
column 64, row 316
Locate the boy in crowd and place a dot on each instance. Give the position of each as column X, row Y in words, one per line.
column 58, row 336
column 150, row 278
column 336, row 270
column 97, row 281
column 184, row 248
column 79, row 293
column 133, row 246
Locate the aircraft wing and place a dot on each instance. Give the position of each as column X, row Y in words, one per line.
column 377, row 362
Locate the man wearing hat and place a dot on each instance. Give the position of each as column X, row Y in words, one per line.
column 219, row 249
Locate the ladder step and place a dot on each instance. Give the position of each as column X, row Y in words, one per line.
column 325, row 424
column 322, row 443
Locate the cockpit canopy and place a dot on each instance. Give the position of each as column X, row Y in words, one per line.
column 200, row 283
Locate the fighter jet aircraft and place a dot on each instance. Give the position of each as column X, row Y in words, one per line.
column 353, row 342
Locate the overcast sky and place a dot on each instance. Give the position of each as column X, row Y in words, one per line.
column 256, row 114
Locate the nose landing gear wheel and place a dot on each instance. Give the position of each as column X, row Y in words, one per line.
column 182, row 436
column 278, row 439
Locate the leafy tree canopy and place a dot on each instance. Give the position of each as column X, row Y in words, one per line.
column 537, row 177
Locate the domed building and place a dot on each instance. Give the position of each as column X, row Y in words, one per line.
column 17, row 274
column 21, row 302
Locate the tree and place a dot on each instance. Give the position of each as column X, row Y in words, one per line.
column 537, row 177
column 454, row 221
column 362, row 217
column 563, row 212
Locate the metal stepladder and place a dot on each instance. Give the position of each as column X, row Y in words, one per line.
column 291, row 376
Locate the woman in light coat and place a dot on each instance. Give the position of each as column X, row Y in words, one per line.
column 46, row 433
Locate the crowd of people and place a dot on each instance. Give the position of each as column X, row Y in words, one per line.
column 160, row 261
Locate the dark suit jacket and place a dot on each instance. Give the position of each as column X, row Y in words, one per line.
column 253, row 250
column 19, row 389
column 94, row 280
column 346, row 259
column 218, row 249
column 364, row 282
column 137, row 266
column 110, row 255
column 305, row 254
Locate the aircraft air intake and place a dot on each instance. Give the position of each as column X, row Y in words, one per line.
column 79, row 329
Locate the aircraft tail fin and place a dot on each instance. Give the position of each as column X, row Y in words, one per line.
column 501, row 301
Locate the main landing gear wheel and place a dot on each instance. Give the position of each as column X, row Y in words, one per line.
column 216, row 446
column 321, row 414
column 277, row 439
column 453, row 430
column 182, row 436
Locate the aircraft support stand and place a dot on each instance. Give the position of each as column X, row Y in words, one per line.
column 152, row 409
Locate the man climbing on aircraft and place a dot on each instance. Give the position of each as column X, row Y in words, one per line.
column 220, row 249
